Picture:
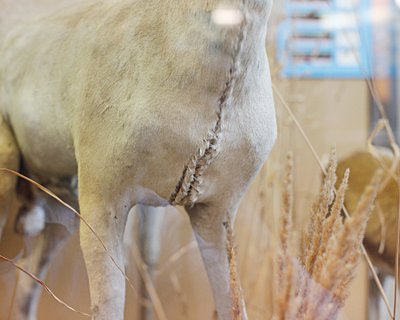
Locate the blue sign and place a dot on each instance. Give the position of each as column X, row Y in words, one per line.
column 325, row 39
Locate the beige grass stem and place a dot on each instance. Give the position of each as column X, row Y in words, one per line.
column 43, row 284
column 148, row 283
column 396, row 283
column 13, row 296
column 382, row 221
column 176, row 285
column 233, row 273
column 176, row 256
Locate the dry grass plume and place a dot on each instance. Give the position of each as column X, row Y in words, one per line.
column 313, row 280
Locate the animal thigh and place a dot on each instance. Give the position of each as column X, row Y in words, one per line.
column 9, row 158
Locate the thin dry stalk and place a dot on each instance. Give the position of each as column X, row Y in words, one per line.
column 43, row 284
column 393, row 173
column 382, row 222
column 285, row 269
column 286, row 290
column 396, row 283
column 148, row 283
column 383, row 124
column 180, row 294
column 316, row 157
column 14, row 293
column 234, row 277
column 176, row 257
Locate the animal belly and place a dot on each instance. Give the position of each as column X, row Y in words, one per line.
column 45, row 145
column 49, row 161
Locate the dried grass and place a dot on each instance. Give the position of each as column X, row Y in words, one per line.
column 314, row 283
column 13, row 297
column 47, row 289
column 371, row 267
column 176, row 285
column 235, row 289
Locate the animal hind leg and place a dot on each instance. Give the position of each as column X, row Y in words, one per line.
column 47, row 245
column 151, row 219
column 209, row 225
column 38, row 262
column 9, row 158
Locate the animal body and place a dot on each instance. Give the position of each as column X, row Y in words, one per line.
column 147, row 102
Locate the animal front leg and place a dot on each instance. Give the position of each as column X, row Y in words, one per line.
column 209, row 224
column 106, row 282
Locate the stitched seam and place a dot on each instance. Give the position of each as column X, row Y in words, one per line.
column 187, row 190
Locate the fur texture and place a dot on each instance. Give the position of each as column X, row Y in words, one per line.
column 123, row 93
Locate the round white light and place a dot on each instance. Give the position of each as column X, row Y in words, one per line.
column 227, row 17
column 397, row 2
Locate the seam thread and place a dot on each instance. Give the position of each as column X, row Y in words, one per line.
column 188, row 188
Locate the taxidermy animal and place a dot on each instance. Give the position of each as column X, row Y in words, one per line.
column 147, row 102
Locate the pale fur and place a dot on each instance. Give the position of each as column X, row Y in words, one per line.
column 123, row 93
